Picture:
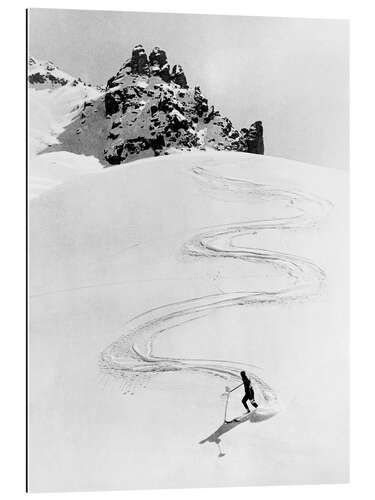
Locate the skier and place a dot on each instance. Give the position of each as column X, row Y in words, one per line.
column 249, row 392
column 249, row 396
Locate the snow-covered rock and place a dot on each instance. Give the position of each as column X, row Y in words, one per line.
column 253, row 138
column 45, row 74
column 146, row 109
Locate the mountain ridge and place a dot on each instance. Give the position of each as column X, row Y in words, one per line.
column 146, row 109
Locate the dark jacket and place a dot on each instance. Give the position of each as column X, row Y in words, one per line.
column 249, row 391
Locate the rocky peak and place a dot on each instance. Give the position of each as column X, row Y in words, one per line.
column 149, row 110
column 254, row 138
column 42, row 74
column 178, row 76
column 45, row 74
column 155, row 65
column 159, row 64
column 139, row 63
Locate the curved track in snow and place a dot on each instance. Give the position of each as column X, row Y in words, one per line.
column 131, row 357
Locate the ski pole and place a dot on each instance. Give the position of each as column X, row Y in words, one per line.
column 236, row 387
column 228, row 391
column 226, row 407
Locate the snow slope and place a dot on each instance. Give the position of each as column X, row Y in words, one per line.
column 151, row 286
column 54, row 100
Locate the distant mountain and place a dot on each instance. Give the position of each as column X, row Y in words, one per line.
column 146, row 109
column 46, row 75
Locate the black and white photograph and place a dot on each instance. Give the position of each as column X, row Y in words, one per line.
column 188, row 250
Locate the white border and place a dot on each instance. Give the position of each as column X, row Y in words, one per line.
column 12, row 210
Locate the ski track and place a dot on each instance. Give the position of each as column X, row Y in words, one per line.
column 131, row 358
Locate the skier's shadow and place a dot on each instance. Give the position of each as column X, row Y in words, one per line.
column 258, row 415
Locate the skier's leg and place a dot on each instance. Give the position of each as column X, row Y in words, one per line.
column 244, row 401
column 252, row 401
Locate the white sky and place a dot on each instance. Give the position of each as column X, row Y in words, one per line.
column 290, row 73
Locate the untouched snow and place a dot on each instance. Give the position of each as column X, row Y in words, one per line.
column 151, row 286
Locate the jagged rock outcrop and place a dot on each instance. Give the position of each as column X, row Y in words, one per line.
column 255, row 140
column 46, row 75
column 148, row 110
column 178, row 76
column 139, row 63
column 252, row 139
column 159, row 64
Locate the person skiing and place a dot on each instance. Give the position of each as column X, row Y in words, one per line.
column 249, row 392
column 249, row 396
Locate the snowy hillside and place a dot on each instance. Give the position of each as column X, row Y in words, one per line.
column 151, row 286
column 46, row 75
column 55, row 98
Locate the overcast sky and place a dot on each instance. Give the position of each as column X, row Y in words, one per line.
column 290, row 73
